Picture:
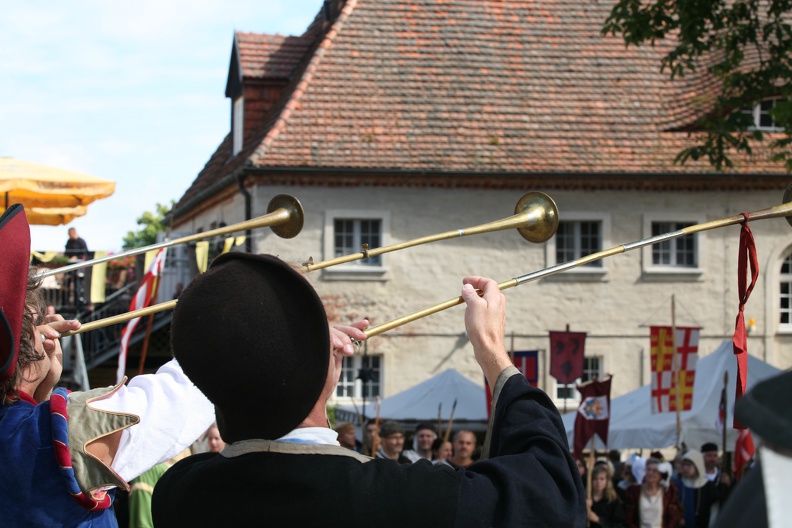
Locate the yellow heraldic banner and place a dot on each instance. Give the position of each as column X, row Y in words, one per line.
column 202, row 255
column 667, row 367
column 98, row 279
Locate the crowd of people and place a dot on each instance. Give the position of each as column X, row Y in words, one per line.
column 254, row 399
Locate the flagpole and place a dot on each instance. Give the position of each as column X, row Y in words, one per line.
column 589, row 472
column 726, row 466
column 375, row 439
column 440, row 420
column 675, row 363
column 450, row 422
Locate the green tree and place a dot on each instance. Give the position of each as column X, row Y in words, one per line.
column 744, row 44
column 152, row 223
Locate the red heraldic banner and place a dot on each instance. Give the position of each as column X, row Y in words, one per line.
column 593, row 416
column 527, row 362
column 566, row 355
column 664, row 391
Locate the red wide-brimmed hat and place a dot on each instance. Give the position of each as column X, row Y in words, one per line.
column 14, row 266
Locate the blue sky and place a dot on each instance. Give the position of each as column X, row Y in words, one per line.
column 128, row 91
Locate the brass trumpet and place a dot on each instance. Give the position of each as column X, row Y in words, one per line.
column 783, row 210
column 535, row 218
column 284, row 216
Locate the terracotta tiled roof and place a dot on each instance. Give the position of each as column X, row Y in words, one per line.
column 487, row 86
column 270, row 56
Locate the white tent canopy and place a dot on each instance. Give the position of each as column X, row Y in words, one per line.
column 420, row 403
column 633, row 426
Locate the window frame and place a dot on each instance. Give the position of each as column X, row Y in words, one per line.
column 355, row 269
column 237, row 125
column 756, row 114
column 651, row 270
column 784, row 328
column 357, row 385
column 592, row 273
column 574, row 393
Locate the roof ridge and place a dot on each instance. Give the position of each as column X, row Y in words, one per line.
column 296, row 94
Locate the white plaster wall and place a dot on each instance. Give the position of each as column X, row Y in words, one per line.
column 615, row 309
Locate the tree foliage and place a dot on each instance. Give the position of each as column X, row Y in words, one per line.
column 745, row 44
column 152, row 223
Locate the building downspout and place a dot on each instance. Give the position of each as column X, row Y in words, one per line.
column 248, row 210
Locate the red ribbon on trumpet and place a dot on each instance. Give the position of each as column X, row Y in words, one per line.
column 747, row 256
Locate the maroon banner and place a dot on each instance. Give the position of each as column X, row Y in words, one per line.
column 593, row 415
column 527, row 362
column 566, row 355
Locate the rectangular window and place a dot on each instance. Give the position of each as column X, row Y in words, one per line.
column 237, row 125
column 350, row 234
column 576, row 239
column 592, row 369
column 785, row 292
column 761, row 116
column 678, row 252
column 361, row 377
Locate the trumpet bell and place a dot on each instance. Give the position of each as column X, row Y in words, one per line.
column 292, row 227
column 544, row 212
column 787, row 199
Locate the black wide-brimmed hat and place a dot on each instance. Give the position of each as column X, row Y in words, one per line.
column 765, row 409
column 14, row 268
column 252, row 334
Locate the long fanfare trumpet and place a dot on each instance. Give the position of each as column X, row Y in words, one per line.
column 778, row 211
column 536, row 219
column 284, row 215
column 783, row 210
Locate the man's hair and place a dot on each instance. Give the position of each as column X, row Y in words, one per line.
column 465, row 431
column 27, row 348
column 345, row 427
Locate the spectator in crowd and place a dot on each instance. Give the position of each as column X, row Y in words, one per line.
column 628, row 478
column 713, row 471
column 464, row 447
column 422, row 443
column 347, row 437
column 391, row 435
column 76, row 249
column 696, row 493
column 651, row 504
column 604, row 508
column 370, row 437
column 442, row 450
column 214, row 439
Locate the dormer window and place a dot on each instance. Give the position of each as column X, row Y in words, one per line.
column 762, row 118
column 237, row 124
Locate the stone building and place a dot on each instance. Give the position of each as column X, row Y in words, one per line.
column 390, row 120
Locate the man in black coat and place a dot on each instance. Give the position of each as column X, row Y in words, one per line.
column 767, row 412
column 252, row 334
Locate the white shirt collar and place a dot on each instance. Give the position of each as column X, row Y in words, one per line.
column 311, row 435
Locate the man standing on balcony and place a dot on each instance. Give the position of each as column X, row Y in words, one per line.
column 76, row 249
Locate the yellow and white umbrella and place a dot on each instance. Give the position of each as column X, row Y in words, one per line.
column 50, row 196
